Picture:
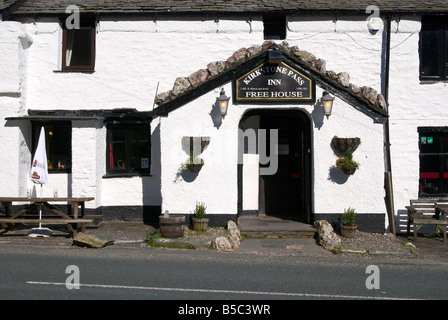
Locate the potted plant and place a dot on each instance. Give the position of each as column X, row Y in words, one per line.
column 348, row 226
column 347, row 164
column 200, row 222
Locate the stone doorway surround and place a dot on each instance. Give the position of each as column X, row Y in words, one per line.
column 186, row 89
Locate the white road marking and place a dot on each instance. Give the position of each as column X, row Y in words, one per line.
column 286, row 294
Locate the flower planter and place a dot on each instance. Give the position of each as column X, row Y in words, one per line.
column 348, row 231
column 342, row 145
column 194, row 168
column 200, row 224
column 348, row 171
column 172, row 226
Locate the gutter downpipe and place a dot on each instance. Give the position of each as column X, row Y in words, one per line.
column 389, row 199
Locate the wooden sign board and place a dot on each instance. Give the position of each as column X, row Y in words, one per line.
column 274, row 83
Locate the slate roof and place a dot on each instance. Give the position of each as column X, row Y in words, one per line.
column 5, row 4
column 200, row 7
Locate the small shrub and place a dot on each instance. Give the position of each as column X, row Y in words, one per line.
column 200, row 210
column 346, row 161
column 348, row 218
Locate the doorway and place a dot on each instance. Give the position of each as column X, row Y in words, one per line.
column 284, row 193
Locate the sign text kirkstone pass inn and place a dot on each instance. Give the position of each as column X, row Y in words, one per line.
column 274, row 82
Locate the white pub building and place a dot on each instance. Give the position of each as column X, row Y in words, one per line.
column 246, row 106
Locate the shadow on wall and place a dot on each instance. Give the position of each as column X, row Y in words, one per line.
column 151, row 193
column 186, row 176
column 334, row 173
column 318, row 115
column 215, row 115
column 25, row 158
column 337, row 176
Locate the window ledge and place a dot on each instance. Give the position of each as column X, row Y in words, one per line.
column 433, row 81
column 74, row 71
column 59, row 171
column 433, row 197
column 126, row 175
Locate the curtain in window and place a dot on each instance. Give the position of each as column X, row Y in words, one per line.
column 69, row 47
column 111, row 156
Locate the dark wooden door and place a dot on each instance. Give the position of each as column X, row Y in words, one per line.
column 284, row 193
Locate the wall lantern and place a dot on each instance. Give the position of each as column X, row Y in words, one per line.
column 327, row 103
column 223, row 101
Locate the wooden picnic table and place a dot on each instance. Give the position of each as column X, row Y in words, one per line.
column 443, row 208
column 78, row 220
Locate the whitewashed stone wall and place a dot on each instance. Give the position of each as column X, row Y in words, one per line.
column 216, row 184
column 344, row 43
column 413, row 104
column 134, row 57
column 14, row 44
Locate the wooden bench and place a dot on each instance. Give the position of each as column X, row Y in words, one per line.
column 93, row 216
column 426, row 212
column 73, row 224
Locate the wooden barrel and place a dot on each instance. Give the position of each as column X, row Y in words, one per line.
column 173, row 226
column 348, row 231
column 200, row 224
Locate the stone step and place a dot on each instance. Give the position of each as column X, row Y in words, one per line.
column 271, row 227
column 277, row 234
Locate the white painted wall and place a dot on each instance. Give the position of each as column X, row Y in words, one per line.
column 344, row 43
column 134, row 56
column 333, row 190
column 14, row 43
column 216, row 184
column 413, row 104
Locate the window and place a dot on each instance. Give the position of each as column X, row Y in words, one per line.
column 58, row 143
column 78, row 48
column 433, row 144
column 274, row 27
column 128, row 148
column 434, row 48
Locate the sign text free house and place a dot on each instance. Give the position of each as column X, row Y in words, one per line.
column 274, row 83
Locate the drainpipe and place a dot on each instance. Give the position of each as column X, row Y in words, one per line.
column 386, row 91
column 388, row 163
